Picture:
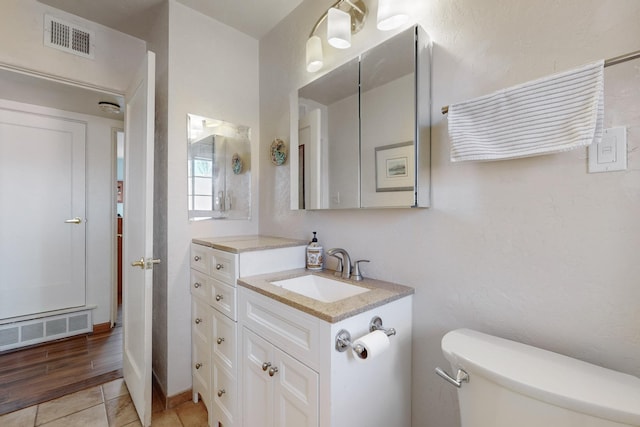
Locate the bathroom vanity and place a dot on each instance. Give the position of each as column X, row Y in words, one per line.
column 216, row 264
column 285, row 356
column 295, row 372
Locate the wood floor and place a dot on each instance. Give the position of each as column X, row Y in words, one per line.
column 41, row 373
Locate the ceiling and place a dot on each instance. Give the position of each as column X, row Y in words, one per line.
column 253, row 17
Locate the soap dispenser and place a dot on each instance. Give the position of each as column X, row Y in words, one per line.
column 315, row 256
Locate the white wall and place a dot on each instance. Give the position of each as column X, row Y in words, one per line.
column 100, row 204
column 212, row 72
column 159, row 43
column 536, row 249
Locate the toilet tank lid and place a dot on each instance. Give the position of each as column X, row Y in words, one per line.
column 551, row 377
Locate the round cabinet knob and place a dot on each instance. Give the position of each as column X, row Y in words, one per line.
column 266, row 365
column 218, row 297
column 219, row 266
column 198, row 365
column 221, row 392
column 220, row 340
column 198, row 321
column 196, row 258
column 196, row 285
column 273, row 371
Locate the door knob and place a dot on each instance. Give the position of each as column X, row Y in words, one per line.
column 76, row 220
column 273, row 371
column 218, row 297
column 220, row 340
column 145, row 264
column 266, row 365
column 221, row 392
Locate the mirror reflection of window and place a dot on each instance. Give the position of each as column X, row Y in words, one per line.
column 200, row 170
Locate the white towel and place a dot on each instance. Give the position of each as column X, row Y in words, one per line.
column 549, row 115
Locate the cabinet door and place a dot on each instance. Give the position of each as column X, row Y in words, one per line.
column 257, row 394
column 295, row 393
column 225, row 395
column 224, row 341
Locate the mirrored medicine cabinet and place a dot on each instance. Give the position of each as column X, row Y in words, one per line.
column 362, row 130
column 219, row 169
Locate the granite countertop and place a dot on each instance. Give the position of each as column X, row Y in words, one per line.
column 238, row 244
column 381, row 293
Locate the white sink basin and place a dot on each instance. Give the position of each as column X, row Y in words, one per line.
column 320, row 288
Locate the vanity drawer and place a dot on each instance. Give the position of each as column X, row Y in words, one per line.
column 201, row 368
column 200, row 319
column 200, row 259
column 223, row 266
column 224, row 395
column 223, row 298
column 291, row 330
column 224, row 336
column 200, row 286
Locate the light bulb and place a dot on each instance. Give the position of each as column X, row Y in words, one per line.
column 391, row 14
column 314, row 54
column 339, row 28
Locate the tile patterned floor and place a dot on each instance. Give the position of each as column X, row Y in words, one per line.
column 107, row 405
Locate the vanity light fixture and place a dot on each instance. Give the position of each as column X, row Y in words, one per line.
column 109, row 107
column 338, row 28
column 346, row 17
column 391, row 14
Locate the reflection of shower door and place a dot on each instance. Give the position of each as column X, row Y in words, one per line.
column 42, row 200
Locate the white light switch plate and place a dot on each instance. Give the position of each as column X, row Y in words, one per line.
column 611, row 153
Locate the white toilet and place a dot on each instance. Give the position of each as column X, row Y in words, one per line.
column 509, row 384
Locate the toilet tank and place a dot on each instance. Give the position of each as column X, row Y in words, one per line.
column 513, row 384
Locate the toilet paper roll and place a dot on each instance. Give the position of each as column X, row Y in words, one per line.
column 370, row 345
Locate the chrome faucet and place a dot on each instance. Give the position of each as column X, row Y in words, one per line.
column 344, row 265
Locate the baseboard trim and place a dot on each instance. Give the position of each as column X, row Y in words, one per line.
column 169, row 402
column 177, row 399
column 99, row 328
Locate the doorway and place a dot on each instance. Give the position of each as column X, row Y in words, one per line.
column 118, row 141
column 80, row 100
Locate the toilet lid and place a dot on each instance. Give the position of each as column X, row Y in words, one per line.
column 547, row 376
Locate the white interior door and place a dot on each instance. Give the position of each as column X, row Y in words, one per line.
column 42, row 227
column 138, row 238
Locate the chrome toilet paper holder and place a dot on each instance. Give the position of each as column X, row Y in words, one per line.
column 343, row 337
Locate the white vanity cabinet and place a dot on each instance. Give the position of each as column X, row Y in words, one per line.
column 292, row 375
column 278, row 390
column 216, row 265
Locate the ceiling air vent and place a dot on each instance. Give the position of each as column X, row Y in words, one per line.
column 68, row 37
